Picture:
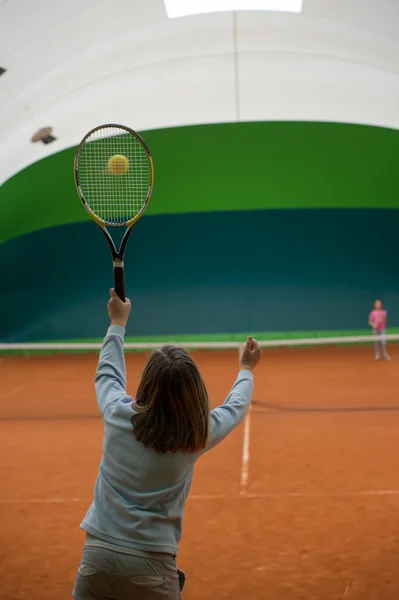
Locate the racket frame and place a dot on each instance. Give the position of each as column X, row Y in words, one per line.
column 117, row 254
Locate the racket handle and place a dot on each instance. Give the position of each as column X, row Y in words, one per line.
column 119, row 279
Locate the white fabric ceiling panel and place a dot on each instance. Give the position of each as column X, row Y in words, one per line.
column 208, row 83
column 92, row 26
column 378, row 17
column 133, row 53
column 316, row 90
column 23, row 20
column 316, row 37
column 73, row 65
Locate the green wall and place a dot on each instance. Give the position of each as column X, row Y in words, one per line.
column 227, row 167
column 273, row 227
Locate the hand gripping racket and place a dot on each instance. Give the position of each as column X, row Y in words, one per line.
column 114, row 177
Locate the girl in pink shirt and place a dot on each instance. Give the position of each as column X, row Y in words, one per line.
column 378, row 321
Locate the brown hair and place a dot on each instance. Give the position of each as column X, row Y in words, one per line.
column 172, row 403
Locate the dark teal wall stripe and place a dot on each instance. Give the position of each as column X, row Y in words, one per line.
column 206, row 273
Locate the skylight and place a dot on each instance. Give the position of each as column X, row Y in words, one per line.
column 184, row 8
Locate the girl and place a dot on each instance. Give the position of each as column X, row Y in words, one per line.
column 150, row 447
column 378, row 321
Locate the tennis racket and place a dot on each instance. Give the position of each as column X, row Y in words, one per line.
column 114, row 177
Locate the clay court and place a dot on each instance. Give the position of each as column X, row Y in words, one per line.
column 317, row 517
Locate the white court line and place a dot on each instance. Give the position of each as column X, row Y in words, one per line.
column 207, row 497
column 244, row 476
column 245, row 455
column 348, row 588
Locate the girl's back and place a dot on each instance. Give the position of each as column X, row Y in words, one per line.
column 139, row 494
column 150, row 448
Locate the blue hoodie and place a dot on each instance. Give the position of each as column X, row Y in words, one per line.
column 139, row 495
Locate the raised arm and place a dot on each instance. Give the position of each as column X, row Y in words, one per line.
column 110, row 381
column 225, row 418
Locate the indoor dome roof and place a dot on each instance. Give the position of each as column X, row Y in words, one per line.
column 73, row 65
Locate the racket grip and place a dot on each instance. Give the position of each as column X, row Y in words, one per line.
column 119, row 279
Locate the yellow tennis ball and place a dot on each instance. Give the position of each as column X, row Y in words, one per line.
column 118, row 164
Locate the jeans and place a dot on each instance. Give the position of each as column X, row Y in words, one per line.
column 106, row 574
column 380, row 342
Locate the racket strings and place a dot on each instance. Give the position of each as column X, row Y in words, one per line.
column 115, row 174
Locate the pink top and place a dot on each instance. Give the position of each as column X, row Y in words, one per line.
column 377, row 318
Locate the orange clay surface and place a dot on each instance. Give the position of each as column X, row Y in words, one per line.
column 317, row 519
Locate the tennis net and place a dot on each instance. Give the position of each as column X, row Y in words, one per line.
column 54, row 381
column 32, row 347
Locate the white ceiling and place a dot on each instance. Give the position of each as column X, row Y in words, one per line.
column 74, row 64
